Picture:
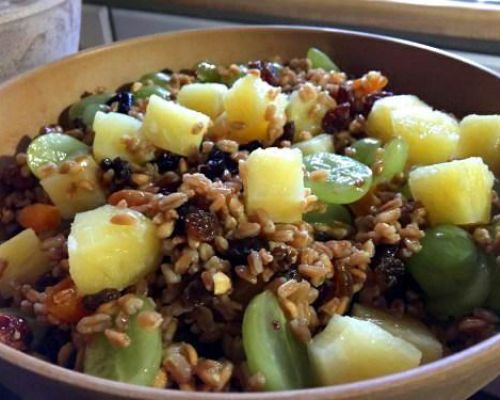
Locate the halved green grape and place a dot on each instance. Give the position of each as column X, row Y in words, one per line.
column 206, row 72
column 321, row 60
column 53, row 147
column 365, row 150
column 446, row 263
column 77, row 109
column 233, row 75
column 333, row 213
column 345, row 181
column 148, row 90
column 137, row 363
column 393, row 159
column 472, row 294
column 270, row 346
column 155, row 78
column 90, row 112
column 318, row 144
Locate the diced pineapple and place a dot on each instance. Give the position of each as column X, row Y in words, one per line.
column 118, row 135
column 379, row 122
column 432, row 136
column 22, row 262
column 173, row 127
column 349, row 350
column 111, row 247
column 307, row 107
column 207, row 98
column 406, row 328
column 77, row 189
column 273, row 181
column 255, row 110
column 455, row 192
column 480, row 136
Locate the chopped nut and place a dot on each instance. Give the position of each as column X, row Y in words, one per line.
column 123, row 219
column 118, row 339
column 222, row 283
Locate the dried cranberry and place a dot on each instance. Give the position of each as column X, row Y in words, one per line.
column 166, row 162
column 369, row 100
column 239, row 249
column 195, row 294
column 217, row 163
column 288, row 131
column 344, row 94
column 201, row 225
column 337, row 119
column 269, row 72
column 251, row 146
column 14, row 331
column 93, row 301
column 124, row 100
column 45, row 281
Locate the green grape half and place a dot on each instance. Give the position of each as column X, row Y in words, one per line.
column 365, row 150
column 155, row 78
column 54, row 148
column 321, row 60
column 146, row 91
column 77, row 109
column 394, row 159
column 206, row 72
column 333, row 213
column 270, row 346
column 346, row 180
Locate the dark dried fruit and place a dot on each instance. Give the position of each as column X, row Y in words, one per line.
column 288, row 131
column 239, row 249
column 45, row 281
column 269, row 72
column 93, row 301
column 121, row 169
column 124, row 101
column 337, row 119
column 201, row 225
column 14, row 331
column 344, row 94
column 388, row 267
column 251, row 146
column 217, row 162
column 369, row 100
column 195, row 294
column 284, row 258
column 166, row 162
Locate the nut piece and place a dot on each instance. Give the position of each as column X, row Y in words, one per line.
column 222, row 283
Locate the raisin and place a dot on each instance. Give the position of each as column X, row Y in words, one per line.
column 166, row 162
column 239, row 249
column 337, row 119
column 195, row 294
column 284, row 258
column 389, row 269
column 121, row 168
column 269, row 72
column 344, row 94
column 369, row 100
column 288, row 131
column 93, row 301
column 217, row 163
column 14, row 331
column 201, row 225
column 45, row 281
column 124, row 101
column 251, row 146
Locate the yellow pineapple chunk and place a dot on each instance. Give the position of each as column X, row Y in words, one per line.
column 406, row 328
column 432, row 136
column 274, row 182
column 111, row 247
column 307, row 107
column 480, row 136
column 22, row 261
column 379, row 122
column 207, row 98
column 118, row 135
column 349, row 350
column 173, row 127
column 455, row 192
column 76, row 189
column 255, row 110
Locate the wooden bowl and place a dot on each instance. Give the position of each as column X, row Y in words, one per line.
column 446, row 82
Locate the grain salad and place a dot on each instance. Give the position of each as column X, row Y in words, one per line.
column 262, row 226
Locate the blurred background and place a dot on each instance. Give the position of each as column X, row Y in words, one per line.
column 33, row 32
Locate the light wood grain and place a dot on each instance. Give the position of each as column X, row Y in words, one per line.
column 440, row 17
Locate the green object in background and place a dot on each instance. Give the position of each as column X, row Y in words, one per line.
column 321, row 60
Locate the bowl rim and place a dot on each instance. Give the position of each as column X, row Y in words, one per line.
column 53, row 372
